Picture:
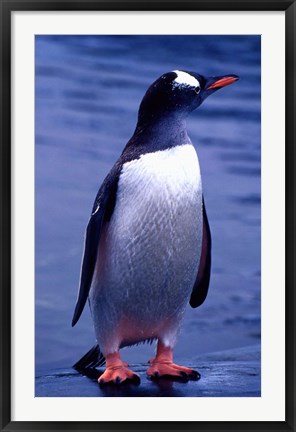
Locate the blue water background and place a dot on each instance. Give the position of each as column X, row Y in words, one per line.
column 88, row 89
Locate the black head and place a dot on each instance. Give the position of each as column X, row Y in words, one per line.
column 178, row 93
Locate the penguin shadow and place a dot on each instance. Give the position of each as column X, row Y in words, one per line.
column 155, row 387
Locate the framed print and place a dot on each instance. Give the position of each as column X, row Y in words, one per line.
column 147, row 163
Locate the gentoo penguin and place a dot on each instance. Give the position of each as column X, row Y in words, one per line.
column 148, row 242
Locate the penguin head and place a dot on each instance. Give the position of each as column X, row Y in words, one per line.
column 178, row 93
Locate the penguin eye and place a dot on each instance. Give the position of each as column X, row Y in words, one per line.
column 197, row 90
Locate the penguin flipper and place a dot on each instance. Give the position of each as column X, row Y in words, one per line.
column 101, row 213
column 201, row 286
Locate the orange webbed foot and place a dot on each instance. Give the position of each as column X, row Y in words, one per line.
column 162, row 366
column 118, row 375
column 117, row 372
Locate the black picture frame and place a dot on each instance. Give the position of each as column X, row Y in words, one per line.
column 6, row 8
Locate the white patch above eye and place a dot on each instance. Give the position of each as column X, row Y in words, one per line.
column 184, row 79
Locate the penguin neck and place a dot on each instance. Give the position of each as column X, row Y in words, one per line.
column 161, row 134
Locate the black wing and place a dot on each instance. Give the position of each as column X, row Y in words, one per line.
column 201, row 286
column 102, row 212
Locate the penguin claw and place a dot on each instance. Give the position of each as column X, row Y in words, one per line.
column 118, row 380
column 194, row 375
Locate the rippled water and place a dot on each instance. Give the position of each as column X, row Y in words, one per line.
column 88, row 89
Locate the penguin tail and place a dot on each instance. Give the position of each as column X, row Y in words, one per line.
column 91, row 359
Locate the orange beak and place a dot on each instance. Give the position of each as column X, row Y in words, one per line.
column 222, row 82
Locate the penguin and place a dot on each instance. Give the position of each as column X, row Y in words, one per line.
column 147, row 246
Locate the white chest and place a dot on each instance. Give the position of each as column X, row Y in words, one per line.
column 171, row 177
column 158, row 212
